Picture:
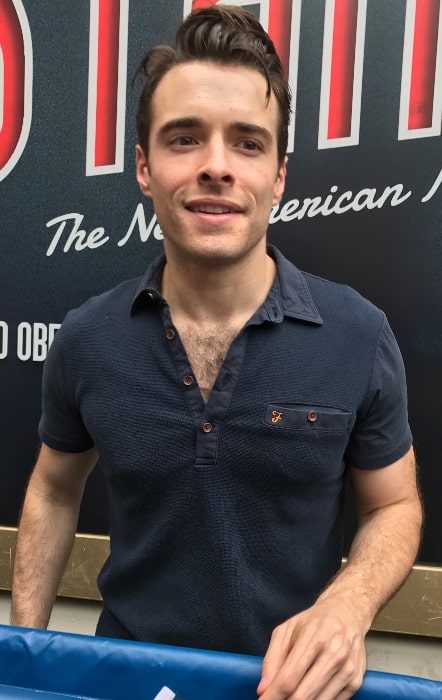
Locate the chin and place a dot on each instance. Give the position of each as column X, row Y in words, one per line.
column 218, row 256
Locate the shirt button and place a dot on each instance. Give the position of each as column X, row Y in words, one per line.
column 207, row 427
column 188, row 380
column 170, row 334
column 312, row 416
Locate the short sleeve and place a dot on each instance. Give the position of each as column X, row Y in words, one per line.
column 382, row 434
column 61, row 425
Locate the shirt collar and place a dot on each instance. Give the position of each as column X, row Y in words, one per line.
column 288, row 296
column 149, row 288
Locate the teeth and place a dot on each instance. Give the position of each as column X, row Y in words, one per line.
column 211, row 209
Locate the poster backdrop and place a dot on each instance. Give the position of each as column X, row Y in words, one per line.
column 363, row 203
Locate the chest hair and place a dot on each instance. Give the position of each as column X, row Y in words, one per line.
column 206, row 348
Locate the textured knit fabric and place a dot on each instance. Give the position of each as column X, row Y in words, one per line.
column 226, row 517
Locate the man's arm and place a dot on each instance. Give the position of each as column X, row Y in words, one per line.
column 319, row 654
column 46, row 532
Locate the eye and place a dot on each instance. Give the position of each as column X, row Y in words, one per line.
column 183, row 140
column 250, row 145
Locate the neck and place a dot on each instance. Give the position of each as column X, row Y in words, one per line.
column 202, row 293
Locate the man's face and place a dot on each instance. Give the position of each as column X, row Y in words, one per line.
column 212, row 169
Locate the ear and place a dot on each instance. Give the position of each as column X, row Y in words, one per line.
column 280, row 182
column 142, row 170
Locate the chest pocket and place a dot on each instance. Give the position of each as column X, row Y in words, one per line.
column 307, row 443
column 307, row 417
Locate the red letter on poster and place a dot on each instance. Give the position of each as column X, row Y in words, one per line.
column 342, row 68
column 280, row 24
column 15, row 83
column 107, row 86
column 423, row 68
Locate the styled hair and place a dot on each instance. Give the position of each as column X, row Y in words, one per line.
column 223, row 34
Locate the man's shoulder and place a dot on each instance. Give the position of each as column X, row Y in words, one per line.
column 114, row 300
column 110, row 307
column 335, row 299
column 331, row 300
column 335, row 290
column 345, row 312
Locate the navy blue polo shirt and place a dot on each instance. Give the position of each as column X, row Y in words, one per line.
column 226, row 517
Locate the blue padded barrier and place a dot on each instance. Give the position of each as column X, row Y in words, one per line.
column 8, row 692
column 72, row 665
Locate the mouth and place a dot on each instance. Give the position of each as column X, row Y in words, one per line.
column 213, row 208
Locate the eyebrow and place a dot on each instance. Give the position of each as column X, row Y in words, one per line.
column 253, row 129
column 195, row 122
column 180, row 123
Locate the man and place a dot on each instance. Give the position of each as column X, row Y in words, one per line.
column 227, row 395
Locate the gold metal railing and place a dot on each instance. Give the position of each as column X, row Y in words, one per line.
column 415, row 609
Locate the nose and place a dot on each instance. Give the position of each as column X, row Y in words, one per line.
column 215, row 166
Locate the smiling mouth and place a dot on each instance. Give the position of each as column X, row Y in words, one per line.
column 212, row 209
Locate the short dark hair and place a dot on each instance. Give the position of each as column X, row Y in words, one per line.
column 224, row 34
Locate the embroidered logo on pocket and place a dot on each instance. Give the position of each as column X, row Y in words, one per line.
column 276, row 416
